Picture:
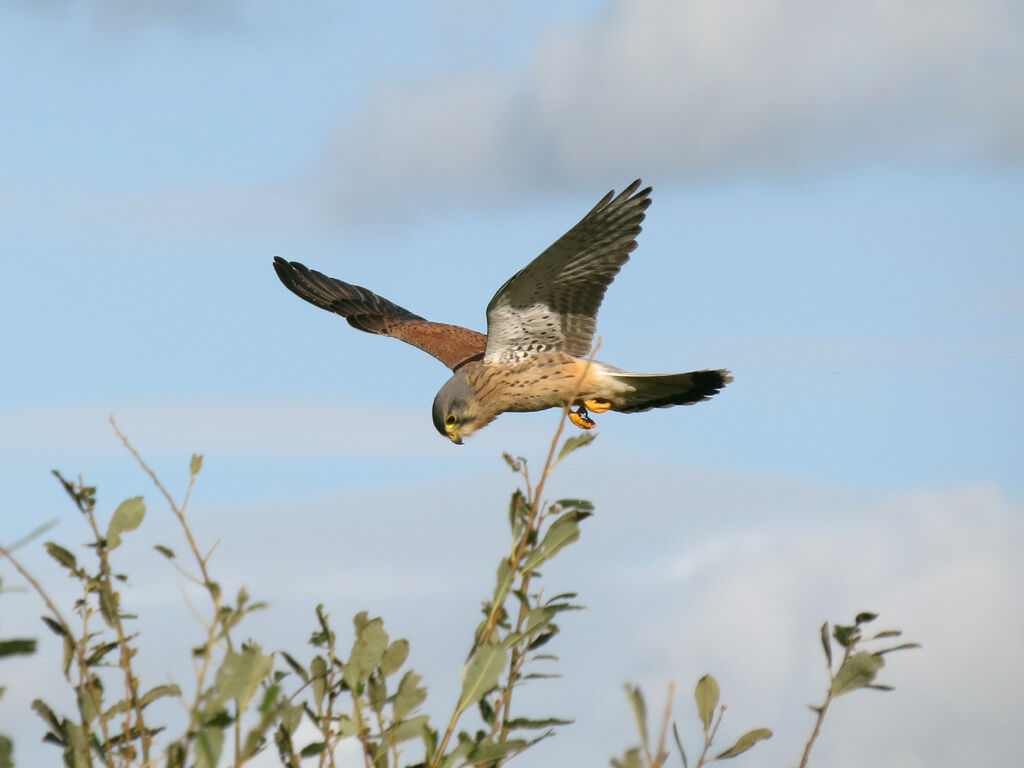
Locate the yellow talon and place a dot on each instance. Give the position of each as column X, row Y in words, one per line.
column 581, row 419
column 597, row 406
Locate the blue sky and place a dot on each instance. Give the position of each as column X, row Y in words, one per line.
column 836, row 218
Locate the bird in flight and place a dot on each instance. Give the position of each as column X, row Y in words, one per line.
column 540, row 327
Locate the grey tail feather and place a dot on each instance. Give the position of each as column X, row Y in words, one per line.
column 653, row 390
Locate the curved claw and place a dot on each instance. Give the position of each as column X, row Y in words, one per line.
column 597, row 406
column 581, row 419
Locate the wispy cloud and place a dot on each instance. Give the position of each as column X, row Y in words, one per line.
column 700, row 86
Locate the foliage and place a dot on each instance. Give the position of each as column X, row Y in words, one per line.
column 243, row 699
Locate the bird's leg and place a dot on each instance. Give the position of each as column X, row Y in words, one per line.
column 597, row 406
column 580, row 418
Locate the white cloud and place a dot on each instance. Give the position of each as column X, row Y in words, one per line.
column 672, row 87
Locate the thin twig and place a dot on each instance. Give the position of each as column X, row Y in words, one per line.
column 709, row 737
column 822, row 709
column 667, row 716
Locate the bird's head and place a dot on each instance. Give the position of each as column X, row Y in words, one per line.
column 457, row 412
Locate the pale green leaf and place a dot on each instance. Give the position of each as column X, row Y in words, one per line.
column 857, row 671
column 639, row 707
column 6, row 752
column 491, row 752
column 367, row 650
column 578, row 441
column 706, row 695
column 481, row 674
column 394, row 657
column 209, row 742
column 826, row 643
column 127, row 517
column 159, row 692
column 413, row 728
column 409, row 695
column 745, row 742
column 241, row 672
column 61, row 555
column 562, row 532
column 318, row 673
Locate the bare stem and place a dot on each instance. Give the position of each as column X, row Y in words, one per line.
column 709, row 736
column 821, row 711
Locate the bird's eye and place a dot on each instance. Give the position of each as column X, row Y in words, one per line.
column 450, row 420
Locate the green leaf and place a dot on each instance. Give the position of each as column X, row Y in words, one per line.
column 886, row 633
column 503, row 581
column 376, row 692
column 159, row 692
column 706, row 695
column 87, row 705
column 6, row 752
column 826, row 643
column 631, row 759
column 639, row 707
column 296, row 667
column 165, row 551
column 240, row 673
column 515, row 463
column 857, row 671
column 745, row 742
column 318, row 674
column 528, row 723
column 195, row 464
column 413, row 728
column 313, row 749
column 61, row 555
column 209, row 742
column 903, row 647
column 572, row 443
column 23, row 646
column 491, row 752
column 845, row 635
column 55, row 626
column 69, row 653
column 40, row 708
column 537, row 618
column 562, row 532
column 99, row 651
column 409, row 695
column 367, row 650
column 864, row 617
column 394, row 657
column 116, row 709
column 127, row 517
column 679, row 745
column 108, row 606
column 79, row 744
column 481, row 674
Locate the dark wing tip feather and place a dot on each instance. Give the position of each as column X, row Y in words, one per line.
column 363, row 309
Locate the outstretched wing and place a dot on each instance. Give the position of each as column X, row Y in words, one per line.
column 552, row 303
column 451, row 344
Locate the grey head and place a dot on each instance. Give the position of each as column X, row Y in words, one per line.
column 457, row 412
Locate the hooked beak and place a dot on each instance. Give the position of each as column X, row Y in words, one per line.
column 453, row 435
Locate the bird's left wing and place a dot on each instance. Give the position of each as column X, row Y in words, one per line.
column 551, row 304
column 453, row 345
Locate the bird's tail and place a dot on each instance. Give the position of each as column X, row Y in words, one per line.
column 643, row 391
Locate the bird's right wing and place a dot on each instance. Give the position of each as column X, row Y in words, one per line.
column 453, row 345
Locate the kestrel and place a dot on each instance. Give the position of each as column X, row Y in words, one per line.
column 540, row 326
